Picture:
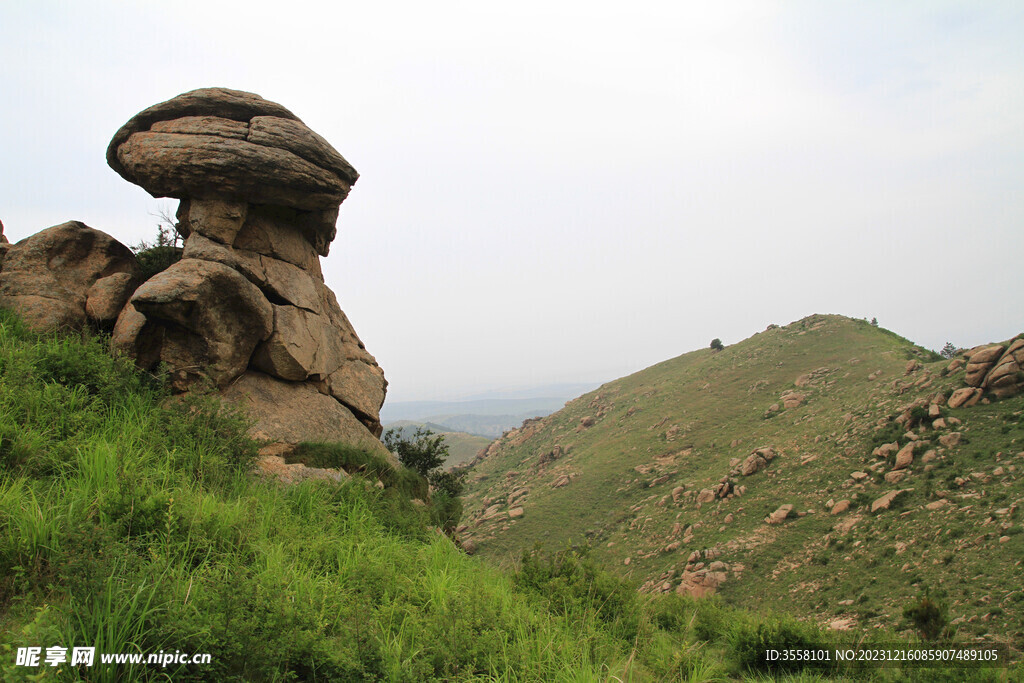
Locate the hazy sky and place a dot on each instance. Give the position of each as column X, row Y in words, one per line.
column 572, row 191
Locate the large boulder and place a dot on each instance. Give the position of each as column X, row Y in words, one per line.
column 216, row 143
column 293, row 412
column 996, row 368
column 66, row 276
column 208, row 320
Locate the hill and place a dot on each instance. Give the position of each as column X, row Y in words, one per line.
column 818, row 466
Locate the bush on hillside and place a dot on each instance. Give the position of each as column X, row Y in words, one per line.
column 716, row 344
column 424, row 452
column 751, row 638
column 928, row 616
column 573, row 584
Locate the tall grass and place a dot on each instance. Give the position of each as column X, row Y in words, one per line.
column 130, row 522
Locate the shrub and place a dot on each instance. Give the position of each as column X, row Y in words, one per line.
column 716, row 344
column 426, row 451
column 449, row 483
column 928, row 617
column 161, row 254
column 750, row 638
column 575, row 587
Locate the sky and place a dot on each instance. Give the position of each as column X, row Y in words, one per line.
column 573, row 191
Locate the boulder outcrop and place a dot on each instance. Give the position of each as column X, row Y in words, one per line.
column 66, row 276
column 997, row 368
column 246, row 309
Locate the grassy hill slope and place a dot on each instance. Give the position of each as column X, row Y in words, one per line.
column 646, row 470
column 135, row 524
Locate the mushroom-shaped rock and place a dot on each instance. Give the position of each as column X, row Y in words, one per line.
column 66, row 275
column 247, row 306
column 221, row 145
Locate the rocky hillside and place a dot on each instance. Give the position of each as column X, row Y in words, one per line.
column 829, row 466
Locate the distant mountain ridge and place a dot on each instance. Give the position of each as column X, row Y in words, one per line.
column 489, row 417
column 421, row 410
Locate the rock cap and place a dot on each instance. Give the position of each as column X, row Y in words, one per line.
column 221, row 143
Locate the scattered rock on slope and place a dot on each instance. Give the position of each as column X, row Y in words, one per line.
column 780, row 515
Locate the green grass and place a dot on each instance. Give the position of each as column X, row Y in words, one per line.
column 131, row 522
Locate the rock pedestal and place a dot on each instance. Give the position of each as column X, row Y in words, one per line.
column 246, row 309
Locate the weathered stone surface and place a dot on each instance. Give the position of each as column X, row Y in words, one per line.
column 280, row 281
column 360, row 386
column 792, row 399
column 305, row 345
column 127, row 338
column 886, row 449
column 211, row 320
column 885, row 501
column 757, row 461
column 905, row 457
column 840, row 507
column 293, row 412
column 294, row 350
column 275, row 468
column 986, row 354
column 108, row 295
column 193, row 147
column 4, row 245
column 895, row 477
column 259, row 200
column 216, row 219
column 780, row 515
column 964, row 397
column 47, row 277
column 279, row 233
column 950, row 440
